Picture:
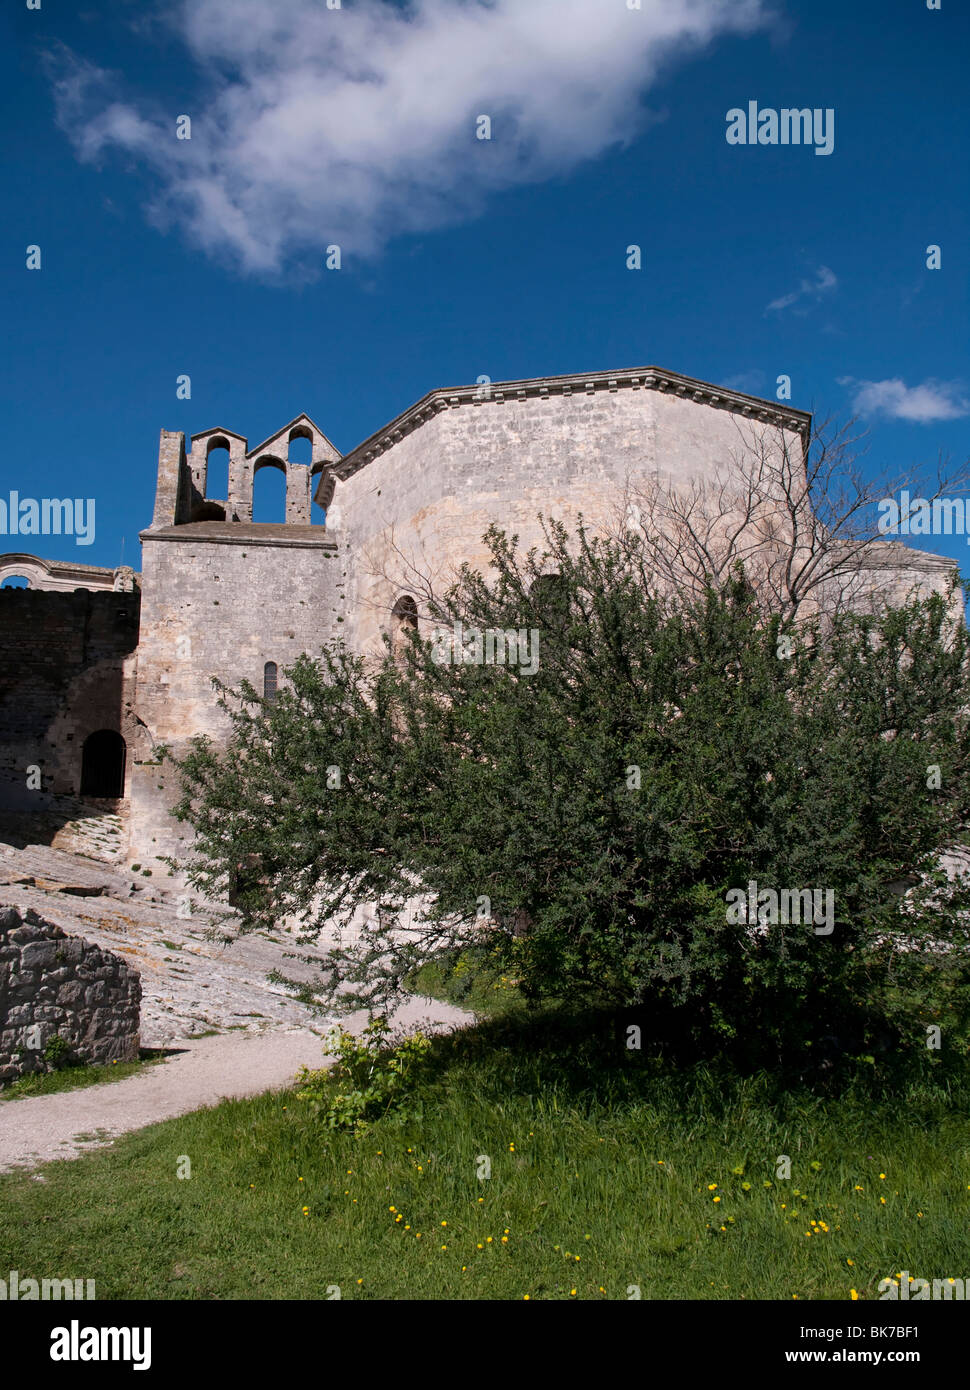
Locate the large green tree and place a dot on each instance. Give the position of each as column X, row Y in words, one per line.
column 590, row 810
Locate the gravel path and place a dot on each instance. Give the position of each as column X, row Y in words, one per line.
column 37, row 1129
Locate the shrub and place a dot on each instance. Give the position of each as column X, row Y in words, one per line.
column 587, row 821
column 57, row 1053
column 370, row 1078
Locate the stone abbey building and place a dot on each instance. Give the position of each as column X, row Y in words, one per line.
column 99, row 667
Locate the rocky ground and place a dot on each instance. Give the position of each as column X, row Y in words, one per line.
column 190, row 984
column 192, row 987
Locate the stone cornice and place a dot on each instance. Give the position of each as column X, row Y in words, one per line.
column 278, row 434
column 61, row 567
column 589, row 383
column 217, row 429
column 185, row 533
column 886, row 555
column 97, row 578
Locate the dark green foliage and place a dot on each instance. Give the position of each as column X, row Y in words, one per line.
column 511, row 799
column 57, row 1052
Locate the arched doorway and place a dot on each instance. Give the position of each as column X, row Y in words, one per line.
column 103, row 764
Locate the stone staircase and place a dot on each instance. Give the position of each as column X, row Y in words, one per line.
column 95, row 830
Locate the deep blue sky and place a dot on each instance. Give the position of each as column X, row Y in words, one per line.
column 536, row 284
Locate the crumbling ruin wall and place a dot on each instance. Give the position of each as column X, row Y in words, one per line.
column 58, row 986
column 67, row 670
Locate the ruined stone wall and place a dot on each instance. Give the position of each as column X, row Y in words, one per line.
column 67, row 669
column 427, row 500
column 894, row 574
column 219, row 600
column 54, row 985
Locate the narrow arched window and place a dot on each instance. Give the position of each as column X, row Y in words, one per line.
column 404, row 620
column 269, row 682
column 300, row 446
column 217, row 471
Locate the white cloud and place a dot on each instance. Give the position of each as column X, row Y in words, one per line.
column 751, row 382
column 315, row 125
column 933, row 400
column 825, row 280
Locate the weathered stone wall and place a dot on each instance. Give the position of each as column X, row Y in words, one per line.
column 219, row 599
column 418, row 496
column 67, row 669
column 54, row 985
column 427, row 499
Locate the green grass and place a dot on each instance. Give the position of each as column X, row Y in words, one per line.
column 73, row 1078
column 594, row 1151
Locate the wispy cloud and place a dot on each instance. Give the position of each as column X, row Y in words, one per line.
column 351, row 125
column 808, row 292
column 932, row 400
column 751, row 382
